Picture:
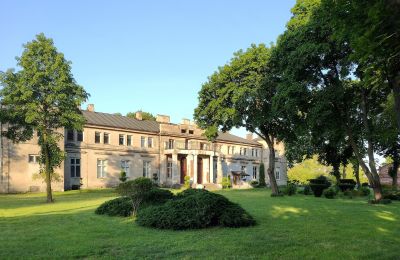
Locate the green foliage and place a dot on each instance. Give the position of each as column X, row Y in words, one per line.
column 382, row 201
column 226, row 182
column 330, row 193
column 187, row 182
column 346, row 184
column 307, row 190
column 319, row 184
column 364, row 191
column 121, row 206
column 136, row 190
column 122, row 176
column 41, row 96
column 145, row 115
column 194, row 209
column 254, row 184
column 261, row 178
column 391, row 194
column 290, row 189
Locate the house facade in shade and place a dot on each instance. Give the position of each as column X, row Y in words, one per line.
column 160, row 150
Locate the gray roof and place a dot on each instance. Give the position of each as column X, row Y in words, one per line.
column 110, row 120
column 234, row 139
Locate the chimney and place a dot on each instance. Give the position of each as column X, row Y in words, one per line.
column 138, row 115
column 249, row 136
column 162, row 119
column 185, row 121
column 90, row 107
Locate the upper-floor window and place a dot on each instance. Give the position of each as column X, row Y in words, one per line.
column 33, row 158
column 70, row 135
column 142, row 141
column 191, row 132
column 170, row 144
column 106, row 138
column 129, row 140
column 75, row 167
column 183, row 131
column 79, row 136
column 241, row 151
column 97, row 137
column 254, row 172
column 256, row 152
column 150, row 142
column 252, row 152
column 233, row 150
column 121, row 139
column 101, row 168
column 244, row 151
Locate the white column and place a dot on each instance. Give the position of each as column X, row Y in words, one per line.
column 211, row 165
column 219, row 170
column 175, row 173
column 195, row 169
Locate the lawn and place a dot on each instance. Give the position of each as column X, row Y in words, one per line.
column 288, row 227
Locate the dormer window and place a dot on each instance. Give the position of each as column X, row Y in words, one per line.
column 183, row 131
column 191, row 132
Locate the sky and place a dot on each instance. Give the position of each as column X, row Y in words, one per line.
column 148, row 55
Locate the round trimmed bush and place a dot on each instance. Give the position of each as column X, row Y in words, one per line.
column 346, row 184
column 121, row 206
column 290, row 189
column 318, row 185
column 330, row 193
column 193, row 209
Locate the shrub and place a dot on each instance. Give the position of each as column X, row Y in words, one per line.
column 157, row 196
column 122, row 176
column 307, row 190
column 261, row 178
column 121, row 206
column 364, row 184
column 290, row 189
column 254, row 184
column 136, row 190
column 195, row 209
column 364, row 191
column 330, row 193
column 187, row 182
column 382, row 201
column 226, row 182
column 346, row 184
column 318, row 185
column 392, row 195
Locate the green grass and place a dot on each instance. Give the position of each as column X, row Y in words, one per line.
column 288, row 227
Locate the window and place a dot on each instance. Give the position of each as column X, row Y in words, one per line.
column 256, row 152
column 229, row 149
column 129, row 140
column 75, row 166
column 233, row 149
column 33, row 158
column 170, row 144
column 150, row 142
column 125, row 166
column 121, row 139
column 191, row 132
column 169, row 169
column 146, row 169
column 252, row 152
column 97, row 137
column 254, row 172
column 244, row 151
column 142, row 141
column 70, row 135
column 106, row 138
column 101, row 168
column 183, row 131
column 79, row 136
column 241, row 151
column 277, row 174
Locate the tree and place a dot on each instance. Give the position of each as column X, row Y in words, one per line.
column 240, row 94
column 261, row 179
column 340, row 102
column 136, row 190
column 145, row 115
column 42, row 97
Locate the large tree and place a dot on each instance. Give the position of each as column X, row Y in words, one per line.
column 240, row 94
column 43, row 98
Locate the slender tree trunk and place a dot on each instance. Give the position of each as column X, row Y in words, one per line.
column 47, row 167
column 336, row 172
column 356, row 168
column 394, row 173
column 395, row 85
column 271, row 165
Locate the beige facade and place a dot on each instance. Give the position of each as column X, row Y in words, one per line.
column 159, row 150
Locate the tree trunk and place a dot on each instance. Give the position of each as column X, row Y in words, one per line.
column 356, row 168
column 394, row 172
column 395, row 85
column 336, row 172
column 47, row 167
column 271, row 165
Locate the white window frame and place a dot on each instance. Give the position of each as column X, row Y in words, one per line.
column 150, row 142
column 123, row 139
column 125, row 166
column 277, row 174
column 95, row 134
column 255, row 170
column 142, row 141
column 169, row 169
column 104, row 138
column 73, row 163
column 129, row 140
column 102, row 165
column 147, row 169
column 35, row 158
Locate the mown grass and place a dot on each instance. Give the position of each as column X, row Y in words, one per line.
column 288, row 228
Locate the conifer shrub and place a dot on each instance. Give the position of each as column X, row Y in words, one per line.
column 318, row 185
column 330, row 193
column 346, row 184
column 194, row 209
column 261, row 179
column 121, row 207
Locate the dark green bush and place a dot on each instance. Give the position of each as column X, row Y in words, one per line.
column 330, row 193
column 382, row 201
column 254, row 184
column 318, row 185
column 307, row 190
column 290, row 189
column 193, row 209
column 157, row 196
column 346, row 184
column 121, row 206
column 364, row 191
column 392, row 195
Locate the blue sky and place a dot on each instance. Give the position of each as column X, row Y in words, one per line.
column 149, row 55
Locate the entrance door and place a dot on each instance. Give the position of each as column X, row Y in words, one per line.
column 199, row 170
column 183, row 169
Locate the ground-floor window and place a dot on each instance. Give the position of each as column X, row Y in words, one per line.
column 254, row 172
column 169, row 169
column 33, row 158
column 101, row 168
column 146, row 169
column 75, row 167
column 125, row 166
column 277, row 174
